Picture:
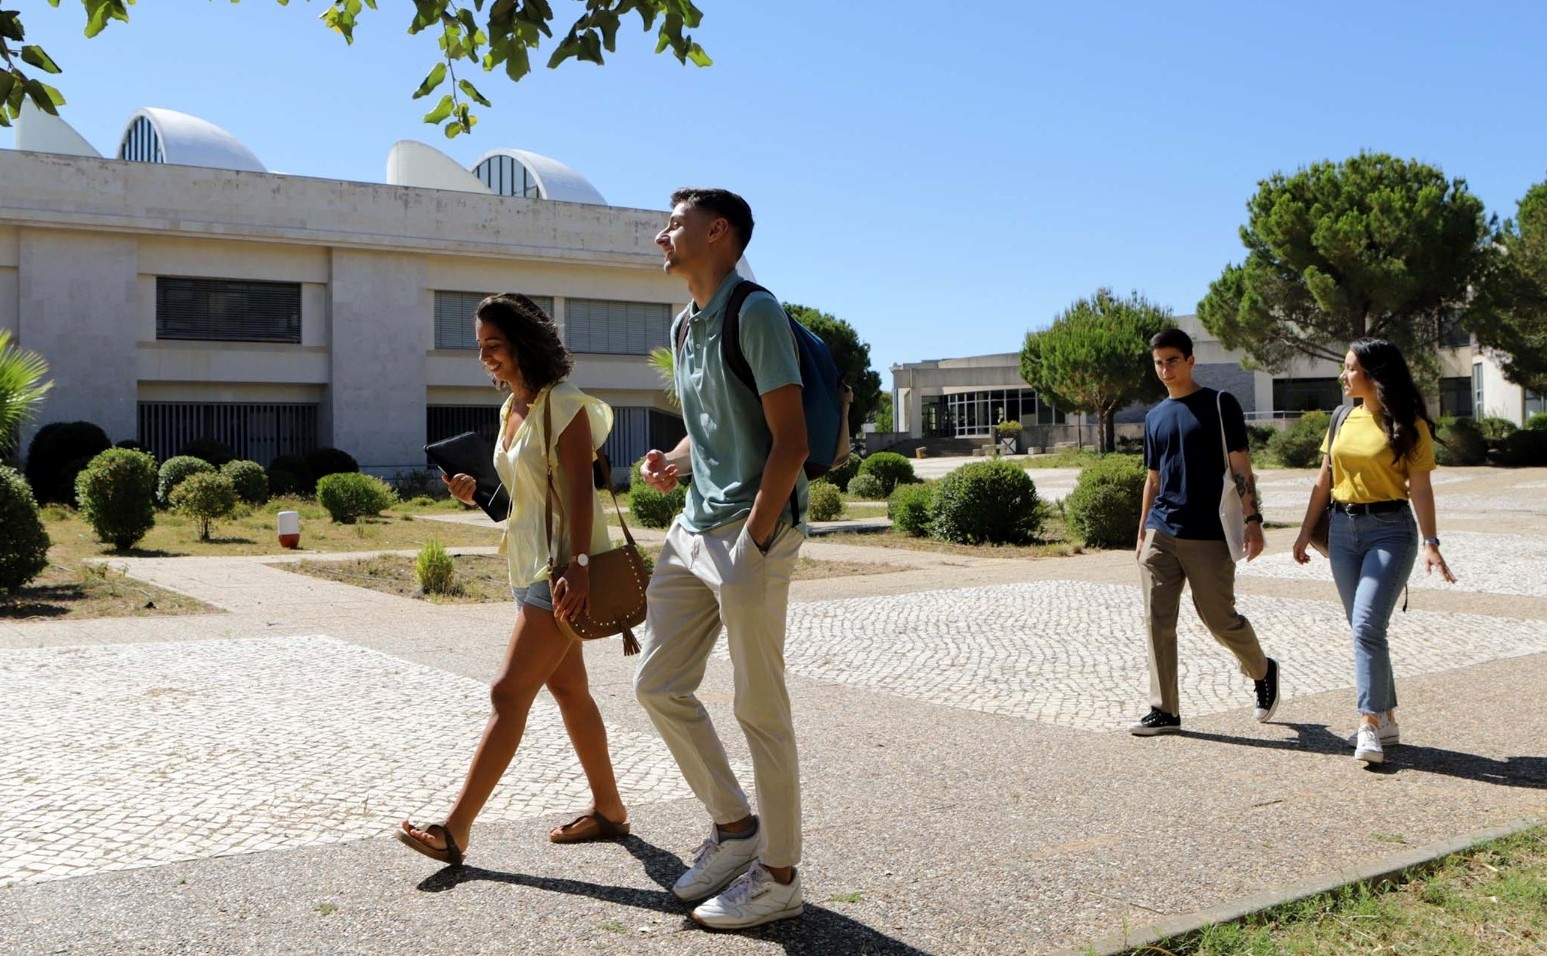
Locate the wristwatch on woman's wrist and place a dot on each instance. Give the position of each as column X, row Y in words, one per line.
column 1432, row 542
column 583, row 559
column 1253, row 517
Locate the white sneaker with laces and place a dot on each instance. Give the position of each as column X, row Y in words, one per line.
column 715, row 864
column 1367, row 746
column 1390, row 733
column 754, row 899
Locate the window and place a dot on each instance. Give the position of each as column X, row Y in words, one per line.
column 618, row 328
column 257, row 432
column 1536, row 403
column 974, row 414
column 1456, row 397
column 1452, row 335
column 505, row 176
column 1477, row 389
column 1306, row 394
column 228, row 310
column 454, row 318
column 141, row 144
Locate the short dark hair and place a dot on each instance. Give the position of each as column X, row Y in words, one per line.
column 541, row 357
column 721, row 203
column 1172, row 339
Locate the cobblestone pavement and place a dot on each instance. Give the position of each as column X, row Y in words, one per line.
column 138, row 755
column 1484, row 563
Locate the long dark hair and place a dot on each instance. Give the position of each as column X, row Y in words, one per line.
column 1401, row 402
column 541, row 357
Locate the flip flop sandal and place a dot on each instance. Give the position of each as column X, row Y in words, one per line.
column 450, row 854
column 600, row 828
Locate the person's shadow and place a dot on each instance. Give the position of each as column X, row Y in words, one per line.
column 819, row 932
column 1318, row 738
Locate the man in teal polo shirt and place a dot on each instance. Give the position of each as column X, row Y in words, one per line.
column 728, row 559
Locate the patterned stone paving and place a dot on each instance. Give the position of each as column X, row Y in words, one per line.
column 127, row 756
column 1484, row 563
column 1073, row 654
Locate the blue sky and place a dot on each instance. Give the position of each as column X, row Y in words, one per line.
column 943, row 176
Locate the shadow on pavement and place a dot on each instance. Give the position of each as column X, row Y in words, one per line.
column 820, row 932
column 1318, row 738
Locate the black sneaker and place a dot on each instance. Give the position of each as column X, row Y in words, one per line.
column 1267, row 692
column 1155, row 722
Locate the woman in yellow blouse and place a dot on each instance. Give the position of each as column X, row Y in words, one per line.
column 520, row 347
column 1376, row 477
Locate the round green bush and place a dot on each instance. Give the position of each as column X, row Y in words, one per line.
column 206, row 496
column 349, row 495
column 1103, row 510
column 322, row 462
column 1525, row 448
column 987, row 501
column 435, row 570
column 117, row 495
column 252, row 483
column 211, row 450
column 869, row 487
column 912, row 509
column 1537, row 422
column 176, row 470
column 1460, row 442
column 825, row 504
column 891, row 468
column 1496, row 429
column 841, row 476
column 297, row 477
column 1299, row 445
column 57, row 453
column 24, row 545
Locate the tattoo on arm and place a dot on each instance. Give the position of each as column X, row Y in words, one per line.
column 1246, row 485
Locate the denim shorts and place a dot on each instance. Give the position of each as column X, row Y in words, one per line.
column 538, row 594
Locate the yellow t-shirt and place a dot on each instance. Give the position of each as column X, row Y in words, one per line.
column 523, row 469
column 1362, row 469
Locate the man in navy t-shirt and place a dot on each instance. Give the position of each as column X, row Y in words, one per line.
column 1181, row 540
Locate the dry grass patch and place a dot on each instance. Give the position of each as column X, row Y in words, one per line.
column 89, row 591
column 482, row 578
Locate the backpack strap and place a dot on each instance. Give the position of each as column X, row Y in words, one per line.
column 1339, row 415
column 736, row 360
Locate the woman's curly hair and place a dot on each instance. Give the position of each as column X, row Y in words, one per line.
column 541, row 358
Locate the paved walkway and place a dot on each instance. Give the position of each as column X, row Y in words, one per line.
column 226, row 782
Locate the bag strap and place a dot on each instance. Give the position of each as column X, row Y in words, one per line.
column 1219, row 407
column 550, row 450
column 1339, row 415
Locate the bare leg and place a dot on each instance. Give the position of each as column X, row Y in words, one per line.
column 535, row 650
column 571, row 689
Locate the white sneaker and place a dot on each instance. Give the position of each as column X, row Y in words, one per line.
column 1390, row 733
column 1367, row 745
column 715, row 864
column 753, row 900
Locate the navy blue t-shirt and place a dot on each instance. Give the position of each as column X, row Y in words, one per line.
column 1181, row 441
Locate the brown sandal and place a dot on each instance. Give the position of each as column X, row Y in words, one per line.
column 588, row 827
column 450, row 854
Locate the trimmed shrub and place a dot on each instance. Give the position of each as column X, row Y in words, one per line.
column 987, row 501
column 59, row 452
column 1459, row 442
column 435, row 570
column 252, row 483
column 651, row 508
column 1299, row 445
column 24, row 545
column 117, row 494
column 1496, row 429
column 1524, row 448
column 842, row 475
column 1537, row 422
column 912, row 509
column 869, row 487
column 1103, row 510
column 205, row 496
column 1010, row 429
column 176, row 470
column 1257, row 438
column 296, row 477
column 322, row 462
column 892, row 468
column 826, row 504
column 211, row 450
column 349, row 495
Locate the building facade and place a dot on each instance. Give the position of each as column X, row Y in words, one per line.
column 181, row 291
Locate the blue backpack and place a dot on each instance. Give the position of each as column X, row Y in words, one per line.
column 824, row 395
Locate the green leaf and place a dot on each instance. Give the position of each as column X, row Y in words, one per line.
column 434, row 79
column 472, row 93
column 441, row 110
column 10, row 25
column 34, row 55
column 41, row 97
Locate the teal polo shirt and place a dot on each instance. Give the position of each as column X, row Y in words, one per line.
column 724, row 419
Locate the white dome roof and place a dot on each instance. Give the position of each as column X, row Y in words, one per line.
column 41, row 132
column 555, row 180
column 190, row 141
column 412, row 163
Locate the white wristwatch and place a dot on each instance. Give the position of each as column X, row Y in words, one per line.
column 583, row 559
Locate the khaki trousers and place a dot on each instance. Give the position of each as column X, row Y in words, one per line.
column 1165, row 565
column 702, row 581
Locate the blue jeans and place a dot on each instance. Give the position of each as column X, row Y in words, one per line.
column 1372, row 556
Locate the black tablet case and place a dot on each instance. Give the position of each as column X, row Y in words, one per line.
column 472, row 454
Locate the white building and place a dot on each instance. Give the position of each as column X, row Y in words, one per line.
column 180, row 290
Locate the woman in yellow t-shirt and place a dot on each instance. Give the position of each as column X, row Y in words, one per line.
column 1376, row 476
column 520, row 347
